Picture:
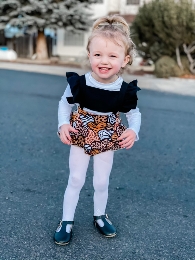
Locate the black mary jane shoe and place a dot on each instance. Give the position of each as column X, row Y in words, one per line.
column 61, row 237
column 108, row 230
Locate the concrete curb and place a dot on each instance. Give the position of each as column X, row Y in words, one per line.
column 172, row 85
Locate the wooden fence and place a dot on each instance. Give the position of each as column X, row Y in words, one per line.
column 25, row 46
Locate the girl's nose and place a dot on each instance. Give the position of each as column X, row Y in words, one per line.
column 104, row 60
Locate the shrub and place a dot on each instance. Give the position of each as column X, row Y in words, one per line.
column 167, row 67
column 161, row 28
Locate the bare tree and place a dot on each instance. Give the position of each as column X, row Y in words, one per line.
column 189, row 50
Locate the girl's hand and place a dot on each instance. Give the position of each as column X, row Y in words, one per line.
column 128, row 138
column 65, row 133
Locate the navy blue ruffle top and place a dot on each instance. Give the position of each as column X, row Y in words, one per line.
column 102, row 100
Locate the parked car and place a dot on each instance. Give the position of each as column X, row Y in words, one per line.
column 6, row 54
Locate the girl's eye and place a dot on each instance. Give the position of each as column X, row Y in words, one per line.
column 113, row 56
column 97, row 55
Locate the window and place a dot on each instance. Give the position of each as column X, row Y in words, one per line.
column 133, row 2
column 73, row 39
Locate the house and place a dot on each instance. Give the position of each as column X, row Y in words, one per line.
column 71, row 46
column 68, row 45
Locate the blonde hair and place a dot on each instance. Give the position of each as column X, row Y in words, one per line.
column 115, row 28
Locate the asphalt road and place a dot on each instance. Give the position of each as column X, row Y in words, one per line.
column 152, row 186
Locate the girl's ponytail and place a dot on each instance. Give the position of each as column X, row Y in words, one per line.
column 109, row 21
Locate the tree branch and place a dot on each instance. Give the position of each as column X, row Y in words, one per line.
column 178, row 58
column 188, row 51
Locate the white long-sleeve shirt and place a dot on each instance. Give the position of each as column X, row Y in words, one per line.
column 64, row 108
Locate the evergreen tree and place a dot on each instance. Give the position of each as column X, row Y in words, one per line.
column 162, row 27
column 40, row 14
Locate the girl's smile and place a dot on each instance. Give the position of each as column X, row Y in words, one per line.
column 104, row 69
column 106, row 58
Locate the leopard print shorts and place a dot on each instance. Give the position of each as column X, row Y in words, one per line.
column 96, row 133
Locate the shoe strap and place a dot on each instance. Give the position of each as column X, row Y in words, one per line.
column 100, row 217
column 67, row 222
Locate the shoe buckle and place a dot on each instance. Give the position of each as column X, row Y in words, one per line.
column 59, row 226
column 109, row 222
column 107, row 219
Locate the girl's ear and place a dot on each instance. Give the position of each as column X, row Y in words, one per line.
column 126, row 60
column 88, row 54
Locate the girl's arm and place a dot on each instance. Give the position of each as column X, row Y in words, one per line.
column 134, row 121
column 64, row 108
column 130, row 135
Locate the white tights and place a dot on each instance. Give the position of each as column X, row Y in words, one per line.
column 78, row 164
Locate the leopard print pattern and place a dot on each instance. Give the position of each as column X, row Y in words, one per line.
column 96, row 133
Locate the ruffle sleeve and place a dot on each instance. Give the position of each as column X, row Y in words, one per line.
column 130, row 98
column 74, row 82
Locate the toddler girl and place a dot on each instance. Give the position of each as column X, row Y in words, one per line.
column 95, row 128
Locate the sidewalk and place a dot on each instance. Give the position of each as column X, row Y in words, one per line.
column 172, row 85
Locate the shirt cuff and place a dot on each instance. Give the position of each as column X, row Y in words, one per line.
column 63, row 123
column 137, row 136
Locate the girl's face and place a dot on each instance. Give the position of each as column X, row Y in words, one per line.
column 106, row 59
